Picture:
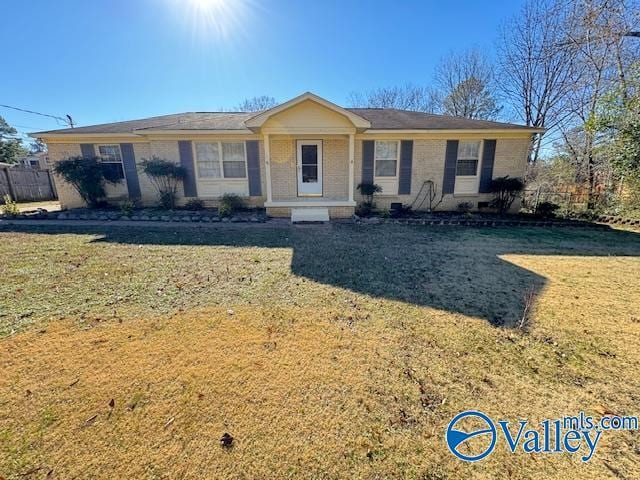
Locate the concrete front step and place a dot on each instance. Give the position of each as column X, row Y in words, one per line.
column 309, row 214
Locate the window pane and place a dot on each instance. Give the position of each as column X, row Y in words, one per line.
column 467, row 150
column 208, row 160
column 309, row 174
column 466, row 167
column 234, row 169
column 207, row 151
column 386, row 168
column 113, row 170
column 209, row 170
column 386, row 150
column 309, row 155
column 233, row 152
column 110, row 153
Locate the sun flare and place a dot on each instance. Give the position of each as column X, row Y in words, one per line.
column 207, row 5
column 221, row 19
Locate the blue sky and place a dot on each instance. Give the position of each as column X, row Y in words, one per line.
column 104, row 61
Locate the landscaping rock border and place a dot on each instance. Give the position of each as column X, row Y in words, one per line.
column 615, row 220
column 259, row 216
column 471, row 222
column 142, row 216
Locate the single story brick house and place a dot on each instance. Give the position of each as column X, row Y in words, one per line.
column 305, row 157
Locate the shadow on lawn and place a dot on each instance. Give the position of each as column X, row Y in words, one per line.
column 456, row 269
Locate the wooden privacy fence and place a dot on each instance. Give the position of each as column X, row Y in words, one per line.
column 26, row 184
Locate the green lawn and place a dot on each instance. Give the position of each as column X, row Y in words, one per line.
column 339, row 351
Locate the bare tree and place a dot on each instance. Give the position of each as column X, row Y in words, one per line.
column 466, row 86
column 407, row 97
column 536, row 67
column 256, row 104
column 596, row 30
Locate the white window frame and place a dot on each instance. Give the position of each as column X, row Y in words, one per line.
column 469, row 184
column 388, row 183
column 102, row 160
column 221, row 160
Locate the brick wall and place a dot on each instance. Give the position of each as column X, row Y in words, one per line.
column 67, row 195
column 428, row 164
column 167, row 150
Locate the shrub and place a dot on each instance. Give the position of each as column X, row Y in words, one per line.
column 230, row 204
column 506, row 189
column 164, row 176
column 194, row 204
column 364, row 209
column 10, row 208
column 126, row 208
column 87, row 176
column 368, row 190
column 547, row 209
column 465, row 207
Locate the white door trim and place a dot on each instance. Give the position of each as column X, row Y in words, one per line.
column 309, row 189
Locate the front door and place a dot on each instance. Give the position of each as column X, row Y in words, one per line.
column 309, row 167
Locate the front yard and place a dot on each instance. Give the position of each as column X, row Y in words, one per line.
column 337, row 351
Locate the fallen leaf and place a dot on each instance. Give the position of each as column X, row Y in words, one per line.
column 226, row 441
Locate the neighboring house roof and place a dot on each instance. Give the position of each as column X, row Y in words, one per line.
column 364, row 118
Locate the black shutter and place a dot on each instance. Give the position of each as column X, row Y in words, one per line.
column 87, row 150
column 130, row 172
column 253, row 168
column 406, row 159
column 367, row 161
column 186, row 160
column 488, row 157
column 450, row 160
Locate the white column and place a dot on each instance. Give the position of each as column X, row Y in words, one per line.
column 267, row 165
column 352, row 156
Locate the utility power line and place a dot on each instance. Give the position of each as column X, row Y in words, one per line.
column 66, row 119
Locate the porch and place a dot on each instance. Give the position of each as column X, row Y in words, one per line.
column 312, row 172
column 309, row 152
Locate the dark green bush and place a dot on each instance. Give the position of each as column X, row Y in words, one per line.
column 230, row 204
column 87, row 176
column 364, row 209
column 164, row 176
column 547, row 209
column 127, row 207
column 368, row 190
column 505, row 189
column 194, row 204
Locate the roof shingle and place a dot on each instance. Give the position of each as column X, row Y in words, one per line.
column 380, row 119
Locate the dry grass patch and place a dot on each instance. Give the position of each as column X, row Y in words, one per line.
column 318, row 371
